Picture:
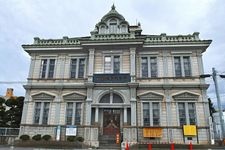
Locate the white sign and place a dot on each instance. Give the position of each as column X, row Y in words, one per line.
column 71, row 131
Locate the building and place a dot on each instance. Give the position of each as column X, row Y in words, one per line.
column 217, row 125
column 118, row 81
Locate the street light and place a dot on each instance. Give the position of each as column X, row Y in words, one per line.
column 214, row 76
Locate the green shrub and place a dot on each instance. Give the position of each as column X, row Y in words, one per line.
column 25, row 137
column 37, row 137
column 71, row 138
column 46, row 137
column 80, row 139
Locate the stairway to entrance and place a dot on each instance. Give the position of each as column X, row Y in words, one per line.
column 108, row 142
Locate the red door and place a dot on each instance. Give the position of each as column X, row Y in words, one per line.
column 111, row 121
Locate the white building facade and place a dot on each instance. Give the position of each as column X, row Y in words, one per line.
column 118, row 81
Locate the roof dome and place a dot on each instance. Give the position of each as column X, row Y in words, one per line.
column 112, row 13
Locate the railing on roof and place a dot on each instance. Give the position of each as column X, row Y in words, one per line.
column 168, row 38
column 65, row 40
column 111, row 36
column 9, row 131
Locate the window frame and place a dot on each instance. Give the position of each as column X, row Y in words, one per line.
column 46, row 74
column 151, row 117
column 41, row 115
column 112, row 56
column 149, row 66
column 77, row 69
column 182, row 65
column 74, row 112
column 187, row 113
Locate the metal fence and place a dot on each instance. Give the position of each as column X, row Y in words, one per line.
column 9, row 131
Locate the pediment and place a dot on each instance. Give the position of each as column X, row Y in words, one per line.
column 186, row 96
column 43, row 96
column 151, row 96
column 74, row 96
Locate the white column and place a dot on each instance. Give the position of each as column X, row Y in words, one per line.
column 88, row 103
column 96, row 114
column 125, row 115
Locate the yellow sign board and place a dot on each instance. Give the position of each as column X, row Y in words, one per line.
column 190, row 130
column 152, row 132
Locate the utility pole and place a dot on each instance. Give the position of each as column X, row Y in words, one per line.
column 214, row 76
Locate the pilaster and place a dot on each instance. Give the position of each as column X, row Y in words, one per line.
column 132, row 64
column 91, row 64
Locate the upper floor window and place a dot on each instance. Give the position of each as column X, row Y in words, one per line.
column 41, row 112
column 47, row 68
column 113, row 26
column 151, row 113
column 182, row 65
column 149, row 67
column 187, row 113
column 73, row 113
column 112, row 64
column 77, row 68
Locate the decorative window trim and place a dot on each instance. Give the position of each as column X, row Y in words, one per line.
column 43, row 96
column 42, row 111
column 151, row 96
column 74, row 97
column 185, row 96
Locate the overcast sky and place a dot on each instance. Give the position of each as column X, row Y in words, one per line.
column 22, row 20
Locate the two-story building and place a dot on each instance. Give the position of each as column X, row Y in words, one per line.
column 118, row 81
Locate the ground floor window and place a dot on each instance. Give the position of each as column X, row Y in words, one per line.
column 41, row 112
column 187, row 113
column 151, row 113
column 73, row 113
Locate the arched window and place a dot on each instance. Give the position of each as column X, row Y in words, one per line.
column 111, row 98
column 123, row 29
column 102, row 29
column 113, row 26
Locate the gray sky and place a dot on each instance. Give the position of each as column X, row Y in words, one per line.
column 22, row 20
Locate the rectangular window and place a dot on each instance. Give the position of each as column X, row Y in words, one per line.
column 146, row 114
column 192, row 113
column 112, row 64
column 182, row 114
column 77, row 68
column 155, row 112
column 69, row 113
column 187, row 66
column 45, row 113
column 182, row 66
column 41, row 112
column 149, row 67
column 151, row 113
column 37, row 112
column 73, row 66
column 187, row 113
column 73, row 113
column 47, row 68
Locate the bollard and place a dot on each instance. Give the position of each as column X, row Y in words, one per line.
column 127, row 146
column 190, row 146
column 172, row 147
column 150, row 146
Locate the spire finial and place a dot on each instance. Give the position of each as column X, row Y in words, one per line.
column 113, row 7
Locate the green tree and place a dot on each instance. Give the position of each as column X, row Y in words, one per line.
column 13, row 115
column 211, row 108
column 2, row 112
